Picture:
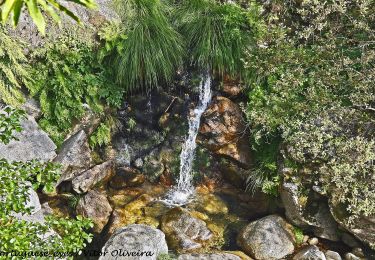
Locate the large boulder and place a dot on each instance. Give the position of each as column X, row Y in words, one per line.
column 223, row 131
column 310, row 253
column 268, row 238
column 135, row 242
column 97, row 175
column 184, row 232
column 32, row 143
column 74, row 156
column 95, row 205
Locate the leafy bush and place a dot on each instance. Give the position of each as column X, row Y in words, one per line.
column 217, row 35
column 16, row 178
column 13, row 70
column 152, row 50
column 10, row 123
column 68, row 79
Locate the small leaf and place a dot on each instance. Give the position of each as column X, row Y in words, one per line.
column 36, row 15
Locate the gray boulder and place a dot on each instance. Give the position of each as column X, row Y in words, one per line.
column 74, row 156
column 184, row 232
column 332, row 255
column 32, row 143
column 135, row 242
column 99, row 174
column 95, row 205
column 310, row 253
column 268, row 238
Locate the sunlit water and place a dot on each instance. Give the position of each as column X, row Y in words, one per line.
column 183, row 192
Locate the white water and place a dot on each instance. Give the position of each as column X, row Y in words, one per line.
column 184, row 190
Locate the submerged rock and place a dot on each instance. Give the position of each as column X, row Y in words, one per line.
column 95, row 206
column 310, row 253
column 99, row 174
column 268, row 238
column 223, row 131
column 32, row 143
column 74, row 156
column 184, row 232
column 146, row 242
column 127, row 177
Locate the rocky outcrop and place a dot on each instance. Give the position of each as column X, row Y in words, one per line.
column 268, row 238
column 310, row 253
column 311, row 212
column 127, row 177
column 98, row 175
column 223, row 131
column 184, row 232
column 140, row 241
column 74, row 156
column 32, row 143
column 94, row 205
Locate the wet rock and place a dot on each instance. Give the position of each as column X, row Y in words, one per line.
column 311, row 213
column 184, row 232
column 97, row 175
column 136, row 238
column 32, row 143
column 268, row 238
column 94, row 205
column 74, row 156
column 332, row 255
column 231, row 88
column 310, row 253
column 214, row 256
column 223, row 131
column 234, row 174
column 127, row 177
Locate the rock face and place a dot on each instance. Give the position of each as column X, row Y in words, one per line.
column 145, row 242
column 314, row 214
column 310, row 253
column 32, row 143
column 95, row 206
column 74, row 156
column 222, row 131
column 99, row 174
column 268, row 238
column 184, row 232
column 215, row 256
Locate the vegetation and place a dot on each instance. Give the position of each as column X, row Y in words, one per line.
column 13, row 9
column 152, row 50
column 16, row 180
column 13, row 70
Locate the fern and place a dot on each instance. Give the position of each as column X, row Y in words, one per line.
column 13, row 70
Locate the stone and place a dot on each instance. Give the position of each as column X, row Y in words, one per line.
column 213, row 256
column 332, row 255
column 349, row 240
column 223, row 131
column 95, row 205
column 32, row 144
column 358, row 252
column 32, row 200
column 184, row 232
column 314, row 214
column 350, row 256
column 32, row 108
column 74, row 156
column 268, row 238
column 98, row 175
column 310, row 253
column 135, row 238
column 127, row 177
column 313, row 241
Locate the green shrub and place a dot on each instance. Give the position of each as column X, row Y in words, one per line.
column 10, row 123
column 217, row 35
column 13, row 70
column 152, row 50
column 68, row 79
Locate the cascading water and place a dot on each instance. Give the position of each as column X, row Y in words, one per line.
column 183, row 191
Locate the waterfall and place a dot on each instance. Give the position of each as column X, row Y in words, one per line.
column 183, row 191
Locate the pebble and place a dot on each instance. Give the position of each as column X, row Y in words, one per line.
column 313, row 241
column 332, row 255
